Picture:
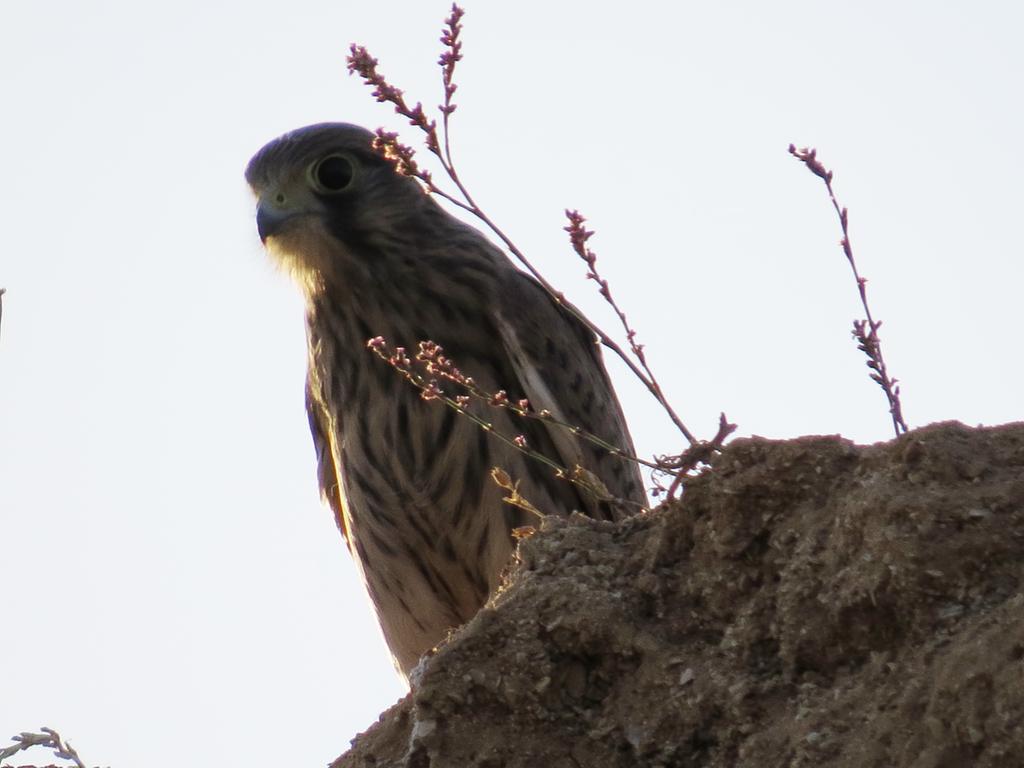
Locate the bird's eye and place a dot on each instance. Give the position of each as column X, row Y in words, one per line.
column 332, row 174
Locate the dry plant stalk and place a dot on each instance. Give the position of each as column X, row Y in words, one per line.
column 429, row 365
column 403, row 157
column 505, row 482
column 49, row 739
column 864, row 331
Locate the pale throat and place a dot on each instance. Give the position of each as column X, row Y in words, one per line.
column 310, row 255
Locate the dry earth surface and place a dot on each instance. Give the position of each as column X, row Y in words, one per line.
column 807, row 603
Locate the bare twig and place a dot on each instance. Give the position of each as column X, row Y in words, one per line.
column 505, row 482
column 864, row 331
column 452, row 55
column 362, row 63
column 49, row 738
column 578, row 236
column 429, row 364
column 679, row 467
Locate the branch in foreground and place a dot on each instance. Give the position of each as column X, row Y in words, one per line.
column 49, row 738
column 505, row 482
column 578, row 236
column 362, row 63
column 429, row 365
column 679, row 467
column 864, row 331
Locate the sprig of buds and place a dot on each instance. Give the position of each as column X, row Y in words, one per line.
column 451, row 55
column 360, row 62
column 578, row 237
column 864, row 331
column 504, row 481
column 429, row 368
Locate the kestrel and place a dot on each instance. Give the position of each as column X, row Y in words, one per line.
column 408, row 480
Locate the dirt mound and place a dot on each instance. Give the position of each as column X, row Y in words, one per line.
column 808, row 603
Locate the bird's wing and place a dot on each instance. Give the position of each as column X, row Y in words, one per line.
column 326, row 472
column 560, row 368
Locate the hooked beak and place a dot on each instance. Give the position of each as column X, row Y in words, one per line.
column 268, row 219
column 266, row 222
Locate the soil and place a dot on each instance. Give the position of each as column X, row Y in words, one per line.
column 807, row 603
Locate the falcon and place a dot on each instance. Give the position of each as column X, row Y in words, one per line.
column 375, row 255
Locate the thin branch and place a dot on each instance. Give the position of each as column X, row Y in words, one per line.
column 362, row 63
column 429, row 364
column 679, row 467
column 49, row 739
column 502, row 479
column 447, row 62
column 578, row 236
column 864, row 331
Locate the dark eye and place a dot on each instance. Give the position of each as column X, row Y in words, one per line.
column 332, row 174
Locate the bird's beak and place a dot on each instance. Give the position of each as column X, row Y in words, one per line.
column 264, row 222
column 269, row 219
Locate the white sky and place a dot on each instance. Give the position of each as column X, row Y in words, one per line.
column 172, row 589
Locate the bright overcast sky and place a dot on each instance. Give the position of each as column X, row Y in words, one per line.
column 174, row 593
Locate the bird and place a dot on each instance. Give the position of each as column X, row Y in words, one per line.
column 374, row 255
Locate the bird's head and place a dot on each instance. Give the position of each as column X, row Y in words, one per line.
column 325, row 197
